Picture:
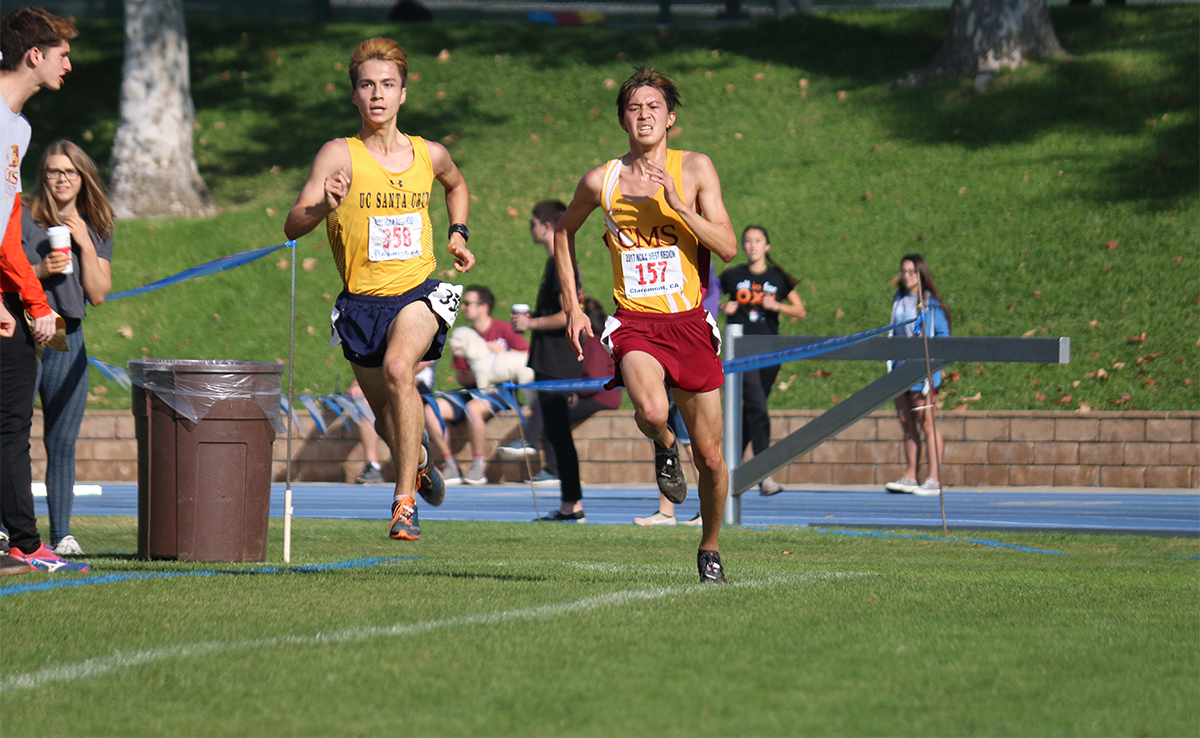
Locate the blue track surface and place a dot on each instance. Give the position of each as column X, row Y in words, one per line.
column 1090, row 510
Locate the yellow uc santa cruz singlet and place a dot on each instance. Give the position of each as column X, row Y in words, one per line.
column 655, row 256
column 380, row 235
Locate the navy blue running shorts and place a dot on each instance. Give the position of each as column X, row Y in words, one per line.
column 361, row 322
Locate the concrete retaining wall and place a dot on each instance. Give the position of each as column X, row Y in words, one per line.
column 983, row 448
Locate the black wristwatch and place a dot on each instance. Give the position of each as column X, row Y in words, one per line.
column 461, row 229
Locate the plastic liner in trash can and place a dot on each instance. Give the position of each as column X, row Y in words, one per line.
column 204, row 433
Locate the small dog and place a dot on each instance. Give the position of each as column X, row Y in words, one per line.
column 489, row 367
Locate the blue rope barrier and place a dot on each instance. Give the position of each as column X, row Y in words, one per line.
column 203, row 270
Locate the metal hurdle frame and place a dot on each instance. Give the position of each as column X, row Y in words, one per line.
column 942, row 353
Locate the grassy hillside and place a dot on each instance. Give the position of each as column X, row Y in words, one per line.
column 1061, row 201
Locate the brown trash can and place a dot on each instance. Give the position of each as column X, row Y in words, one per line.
column 204, row 433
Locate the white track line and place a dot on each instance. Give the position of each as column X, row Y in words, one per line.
column 126, row 660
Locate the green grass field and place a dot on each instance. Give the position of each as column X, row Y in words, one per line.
column 1014, row 195
column 518, row 629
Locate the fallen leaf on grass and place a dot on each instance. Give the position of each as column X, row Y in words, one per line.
column 1064, row 400
column 1040, row 397
column 125, row 331
column 1138, row 339
column 1111, row 245
column 836, row 399
column 513, row 212
column 952, row 376
column 821, row 373
column 1084, row 407
column 444, row 56
column 1150, row 381
column 312, row 331
column 308, row 264
column 974, row 398
column 1180, row 359
column 1094, row 356
column 959, row 408
column 1150, row 358
column 839, row 314
column 1029, row 333
column 1121, row 400
column 282, row 264
column 1118, row 365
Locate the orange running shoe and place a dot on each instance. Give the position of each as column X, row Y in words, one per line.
column 404, row 520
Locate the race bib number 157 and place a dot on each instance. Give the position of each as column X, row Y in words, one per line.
column 394, row 237
column 652, row 272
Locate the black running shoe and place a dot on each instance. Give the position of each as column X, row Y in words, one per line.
column 558, row 517
column 669, row 474
column 709, row 563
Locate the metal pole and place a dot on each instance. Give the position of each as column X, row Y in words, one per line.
column 733, row 424
column 287, row 494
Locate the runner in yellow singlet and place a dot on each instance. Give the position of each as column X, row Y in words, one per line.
column 373, row 193
column 663, row 218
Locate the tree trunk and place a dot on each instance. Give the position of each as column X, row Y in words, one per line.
column 985, row 35
column 153, row 163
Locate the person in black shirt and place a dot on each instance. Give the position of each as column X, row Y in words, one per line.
column 552, row 357
column 759, row 292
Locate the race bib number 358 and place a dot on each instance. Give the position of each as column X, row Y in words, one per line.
column 394, row 237
column 652, row 272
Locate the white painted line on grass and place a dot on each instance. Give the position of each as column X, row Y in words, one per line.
column 127, row 660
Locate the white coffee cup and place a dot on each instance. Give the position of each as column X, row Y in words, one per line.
column 60, row 241
column 520, row 309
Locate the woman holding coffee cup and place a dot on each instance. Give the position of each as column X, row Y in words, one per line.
column 67, row 231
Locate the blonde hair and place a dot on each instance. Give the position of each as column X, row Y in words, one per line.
column 383, row 49
column 91, row 202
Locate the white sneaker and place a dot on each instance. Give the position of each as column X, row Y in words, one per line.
column 768, row 486
column 905, row 486
column 476, row 475
column 656, row 519
column 696, row 521
column 68, row 546
column 928, row 488
column 451, row 474
column 516, row 451
column 3, row 541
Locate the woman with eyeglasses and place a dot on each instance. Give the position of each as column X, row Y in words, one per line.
column 915, row 407
column 68, row 194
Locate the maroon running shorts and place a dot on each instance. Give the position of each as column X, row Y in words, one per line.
column 686, row 344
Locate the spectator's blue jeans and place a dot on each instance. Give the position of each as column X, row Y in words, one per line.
column 63, row 386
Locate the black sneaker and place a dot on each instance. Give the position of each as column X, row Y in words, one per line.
column 558, row 517
column 9, row 565
column 709, row 563
column 669, row 474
